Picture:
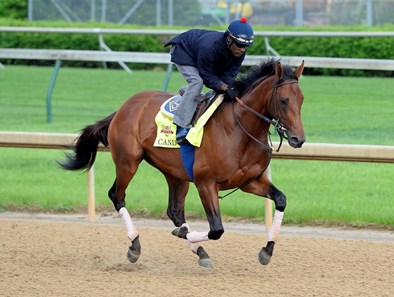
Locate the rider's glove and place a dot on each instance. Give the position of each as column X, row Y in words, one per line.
column 230, row 94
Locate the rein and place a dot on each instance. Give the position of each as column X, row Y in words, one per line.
column 274, row 122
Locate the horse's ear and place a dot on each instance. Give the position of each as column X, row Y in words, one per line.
column 299, row 70
column 279, row 71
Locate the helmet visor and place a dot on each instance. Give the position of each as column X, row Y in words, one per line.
column 242, row 39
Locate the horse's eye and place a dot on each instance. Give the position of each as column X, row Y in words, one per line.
column 284, row 101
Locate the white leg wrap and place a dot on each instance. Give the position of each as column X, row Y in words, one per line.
column 131, row 230
column 195, row 236
column 192, row 245
column 187, row 226
column 273, row 233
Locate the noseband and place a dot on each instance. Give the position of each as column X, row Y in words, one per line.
column 274, row 121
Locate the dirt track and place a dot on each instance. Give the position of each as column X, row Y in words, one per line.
column 58, row 256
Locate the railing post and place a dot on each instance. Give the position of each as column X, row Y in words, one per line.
column 299, row 13
column 106, row 48
column 50, row 90
column 167, row 78
column 91, row 196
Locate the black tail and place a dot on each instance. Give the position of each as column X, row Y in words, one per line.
column 85, row 149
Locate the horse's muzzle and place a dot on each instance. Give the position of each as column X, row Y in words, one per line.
column 296, row 141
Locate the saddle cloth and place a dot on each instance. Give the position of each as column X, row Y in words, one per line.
column 166, row 129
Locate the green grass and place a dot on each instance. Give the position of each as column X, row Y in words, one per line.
column 336, row 110
column 350, row 110
column 80, row 96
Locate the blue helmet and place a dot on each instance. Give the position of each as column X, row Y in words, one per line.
column 241, row 32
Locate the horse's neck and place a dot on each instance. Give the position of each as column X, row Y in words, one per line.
column 243, row 124
column 259, row 95
column 258, row 99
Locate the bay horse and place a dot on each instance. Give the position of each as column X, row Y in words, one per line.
column 234, row 153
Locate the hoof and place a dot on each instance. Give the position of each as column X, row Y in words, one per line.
column 266, row 253
column 205, row 263
column 134, row 250
column 132, row 255
column 180, row 232
column 264, row 257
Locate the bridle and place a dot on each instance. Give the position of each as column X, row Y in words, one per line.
column 279, row 127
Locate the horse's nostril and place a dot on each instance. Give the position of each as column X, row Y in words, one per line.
column 296, row 142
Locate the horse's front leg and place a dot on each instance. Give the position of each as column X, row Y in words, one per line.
column 177, row 190
column 273, row 234
column 210, row 201
column 264, row 187
column 203, row 258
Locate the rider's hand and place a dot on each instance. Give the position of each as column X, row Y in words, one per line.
column 230, row 94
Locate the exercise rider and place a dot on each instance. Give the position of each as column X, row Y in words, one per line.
column 210, row 58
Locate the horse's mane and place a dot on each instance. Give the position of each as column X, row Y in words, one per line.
column 266, row 68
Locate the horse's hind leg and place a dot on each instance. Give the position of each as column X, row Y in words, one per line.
column 125, row 171
column 134, row 250
column 177, row 190
column 203, row 258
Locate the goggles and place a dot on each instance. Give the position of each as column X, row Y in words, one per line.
column 240, row 45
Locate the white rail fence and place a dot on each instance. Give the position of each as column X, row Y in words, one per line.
column 107, row 55
column 163, row 58
column 310, row 151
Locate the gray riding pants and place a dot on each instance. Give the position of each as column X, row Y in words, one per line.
column 188, row 104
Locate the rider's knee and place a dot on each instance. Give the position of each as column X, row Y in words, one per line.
column 196, row 82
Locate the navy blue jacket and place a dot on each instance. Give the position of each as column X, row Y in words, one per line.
column 207, row 50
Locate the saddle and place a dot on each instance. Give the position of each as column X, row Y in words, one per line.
column 166, row 128
column 204, row 102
